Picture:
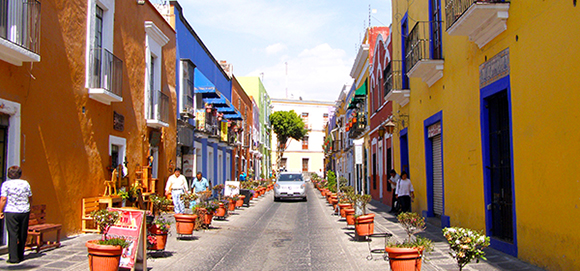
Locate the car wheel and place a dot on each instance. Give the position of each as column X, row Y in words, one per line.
column 276, row 199
column 305, row 199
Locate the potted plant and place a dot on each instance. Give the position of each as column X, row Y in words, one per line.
column 105, row 254
column 158, row 231
column 240, row 201
column 407, row 255
column 124, row 195
column 185, row 223
column 465, row 245
column 364, row 224
column 344, row 200
column 210, row 208
column 232, row 202
column 218, row 189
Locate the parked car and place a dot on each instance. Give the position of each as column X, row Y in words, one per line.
column 290, row 185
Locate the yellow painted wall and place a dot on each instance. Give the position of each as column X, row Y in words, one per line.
column 544, row 95
column 66, row 150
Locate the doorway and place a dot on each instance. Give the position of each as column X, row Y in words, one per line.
column 4, row 121
column 404, row 152
column 496, row 133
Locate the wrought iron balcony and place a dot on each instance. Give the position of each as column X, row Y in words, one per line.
column 105, row 77
column 481, row 20
column 19, row 31
column 358, row 126
column 394, row 90
column 423, row 54
column 158, row 109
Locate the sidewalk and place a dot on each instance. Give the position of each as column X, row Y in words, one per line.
column 440, row 259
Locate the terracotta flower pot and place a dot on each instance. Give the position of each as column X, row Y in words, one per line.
column 349, row 215
column 240, row 201
column 403, row 259
column 221, row 211
column 365, row 225
column 343, row 206
column 161, row 242
column 232, row 205
column 184, row 223
column 103, row 257
column 334, row 202
column 208, row 218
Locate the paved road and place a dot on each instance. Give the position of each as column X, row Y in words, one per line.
column 288, row 235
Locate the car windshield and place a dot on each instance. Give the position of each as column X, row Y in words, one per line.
column 290, row 178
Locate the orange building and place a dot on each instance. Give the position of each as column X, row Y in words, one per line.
column 85, row 87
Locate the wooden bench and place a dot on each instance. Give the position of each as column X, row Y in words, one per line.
column 88, row 223
column 37, row 227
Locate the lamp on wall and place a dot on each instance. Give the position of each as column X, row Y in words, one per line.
column 141, row 2
column 389, row 127
column 381, row 132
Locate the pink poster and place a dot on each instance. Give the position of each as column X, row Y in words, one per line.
column 128, row 227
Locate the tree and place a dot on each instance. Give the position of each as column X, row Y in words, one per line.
column 287, row 125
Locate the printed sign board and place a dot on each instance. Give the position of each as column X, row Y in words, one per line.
column 132, row 228
column 229, row 191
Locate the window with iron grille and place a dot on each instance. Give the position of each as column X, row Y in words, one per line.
column 305, row 143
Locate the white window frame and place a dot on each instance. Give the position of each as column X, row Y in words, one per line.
column 155, row 39
column 108, row 7
column 183, row 65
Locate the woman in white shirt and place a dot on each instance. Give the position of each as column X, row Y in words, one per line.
column 405, row 192
column 15, row 198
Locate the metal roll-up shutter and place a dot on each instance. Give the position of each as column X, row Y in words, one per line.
column 437, row 176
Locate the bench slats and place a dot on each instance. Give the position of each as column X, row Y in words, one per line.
column 37, row 227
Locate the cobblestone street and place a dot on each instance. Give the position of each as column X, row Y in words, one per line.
column 271, row 235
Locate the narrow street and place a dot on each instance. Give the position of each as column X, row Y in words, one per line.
column 287, row 235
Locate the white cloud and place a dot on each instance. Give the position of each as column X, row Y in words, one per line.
column 264, row 19
column 317, row 73
column 275, row 48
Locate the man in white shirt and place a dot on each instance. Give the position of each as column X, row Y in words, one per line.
column 393, row 181
column 176, row 185
column 405, row 192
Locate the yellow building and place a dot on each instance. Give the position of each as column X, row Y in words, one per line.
column 486, row 120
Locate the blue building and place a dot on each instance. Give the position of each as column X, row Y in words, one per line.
column 204, row 108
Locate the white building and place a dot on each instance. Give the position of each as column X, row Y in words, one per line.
column 306, row 155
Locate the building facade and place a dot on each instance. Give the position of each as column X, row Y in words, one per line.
column 80, row 94
column 484, row 135
column 243, row 147
column 255, row 89
column 205, row 110
column 306, row 155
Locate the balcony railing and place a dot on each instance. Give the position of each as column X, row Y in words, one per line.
column 454, row 9
column 106, row 74
column 158, row 111
column 20, row 26
column 423, row 55
column 394, row 90
column 481, row 20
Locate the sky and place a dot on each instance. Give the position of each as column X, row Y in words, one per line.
column 318, row 39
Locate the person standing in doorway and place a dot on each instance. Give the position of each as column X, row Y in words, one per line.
column 200, row 184
column 15, row 199
column 405, row 192
column 176, row 185
column 393, row 181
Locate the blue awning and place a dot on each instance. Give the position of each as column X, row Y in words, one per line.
column 218, row 102
column 202, row 85
column 236, row 116
column 226, row 110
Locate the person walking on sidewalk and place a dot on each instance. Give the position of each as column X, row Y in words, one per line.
column 176, row 185
column 393, row 181
column 405, row 192
column 200, row 184
column 15, row 199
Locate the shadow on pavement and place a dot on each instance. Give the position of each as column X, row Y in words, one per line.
column 159, row 254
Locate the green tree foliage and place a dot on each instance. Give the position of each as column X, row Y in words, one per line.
column 287, row 125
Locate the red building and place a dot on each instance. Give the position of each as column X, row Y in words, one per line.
column 380, row 111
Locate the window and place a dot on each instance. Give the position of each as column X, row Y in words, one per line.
column 157, row 103
column 305, row 143
column 435, row 18
column 387, row 80
column 305, row 119
column 283, row 162
column 187, row 70
column 304, row 164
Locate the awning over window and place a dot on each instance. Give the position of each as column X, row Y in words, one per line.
column 202, row 85
column 233, row 116
column 217, row 102
column 362, row 90
column 226, row 110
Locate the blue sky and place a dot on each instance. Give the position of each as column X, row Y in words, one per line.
column 318, row 39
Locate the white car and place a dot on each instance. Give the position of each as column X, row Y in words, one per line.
column 290, row 185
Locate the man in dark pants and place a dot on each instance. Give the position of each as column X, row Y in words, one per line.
column 394, row 180
column 15, row 198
